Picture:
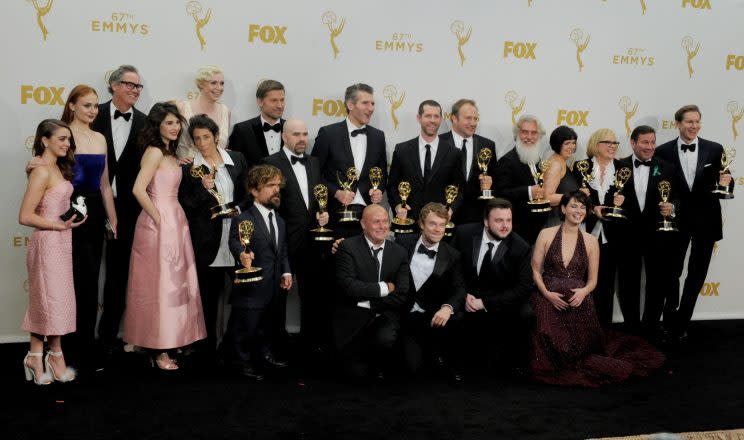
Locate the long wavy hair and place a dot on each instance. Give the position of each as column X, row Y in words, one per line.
column 150, row 134
column 46, row 129
column 76, row 93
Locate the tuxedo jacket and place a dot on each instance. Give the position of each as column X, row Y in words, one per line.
column 445, row 285
column 446, row 169
column 333, row 150
column 700, row 211
column 248, row 138
column 471, row 209
column 299, row 217
column 273, row 262
column 512, row 180
column 196, row 201
column 609, row 227
column 509, row 282
column 126, row 167
column 356, row 279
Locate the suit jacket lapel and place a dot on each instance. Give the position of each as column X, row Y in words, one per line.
column 260, row 224
column 416, row 158
column 500, row 252
column 259, row 134
column 474, row 170
column 290, row 174
column 105, row 111
column 476, row 249
column 437, row 160
column 701, row 159
column 134, row 129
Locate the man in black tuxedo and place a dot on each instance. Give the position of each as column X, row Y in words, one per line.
column 252, row 319
column 465, row 119
column 644, row 209
column 515, row 180
column 299, row 209
column 120, row 123
column 260, row 137
column 372, row 276
column 698, row 163
column 426, row 163
column 496, row 263
column 352, row 142
column 437, row 293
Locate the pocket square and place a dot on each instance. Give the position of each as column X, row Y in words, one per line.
column 707, row 165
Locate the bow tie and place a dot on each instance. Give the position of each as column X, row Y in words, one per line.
column 358, row 131
column 638, row 163
column 431, row 253
column 300, row 159
column 276, row 127
column 690, row 148
column 126, row 115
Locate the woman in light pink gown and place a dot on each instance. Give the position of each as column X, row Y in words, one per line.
column 51, row 306
column 164, row 308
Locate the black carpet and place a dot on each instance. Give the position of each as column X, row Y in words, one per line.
column 701, row 388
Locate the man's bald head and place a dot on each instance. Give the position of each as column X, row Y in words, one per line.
column 294, row 134
column 375, row 223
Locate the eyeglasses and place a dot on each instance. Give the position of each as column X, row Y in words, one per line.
column 610, row 143
column 132, row 86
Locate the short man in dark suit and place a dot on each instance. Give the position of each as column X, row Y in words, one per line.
column 698, row 163
column 252, row 319
column 515, row 177
column 465, row 119
column 120, row 122
column 642, row 243
column 260, row 137
column 498, row 276
column 352, row 143
column 437, row 292
column 426, row 163
column 372, row 276
column 299, row 209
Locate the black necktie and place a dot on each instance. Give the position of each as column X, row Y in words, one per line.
column 427, row 162
column 272, row 231
column 464, row 156
column 126, row 115
column 358, row 131
column 375, row 253
column 638, row 163
column 486, row 260
column 276, row 127
column 431, row 253
column 690, row 148
column 300, row 159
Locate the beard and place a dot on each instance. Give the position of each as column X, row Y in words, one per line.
column 529, row 155
column 274, row 202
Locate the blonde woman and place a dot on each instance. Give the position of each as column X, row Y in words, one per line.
column 211, row 84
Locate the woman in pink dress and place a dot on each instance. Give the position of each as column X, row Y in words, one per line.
column 51, row 306
column 164, row 308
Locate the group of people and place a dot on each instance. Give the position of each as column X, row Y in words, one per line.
column 508, row 263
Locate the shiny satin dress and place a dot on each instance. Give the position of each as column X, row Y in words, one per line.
column 164, row 307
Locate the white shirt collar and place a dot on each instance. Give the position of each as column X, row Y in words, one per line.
column 350, row 127
column 264, row 121
column 199, row 159
column 290, row 154
column 458, row 140
column 262, row 209
column 113, row 109
column 680, row 142
column 423, row 143
column 486, row 239
column 420, row 241
column 372, row 246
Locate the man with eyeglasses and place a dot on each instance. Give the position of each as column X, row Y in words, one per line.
column 120, row 123
column 515, row 180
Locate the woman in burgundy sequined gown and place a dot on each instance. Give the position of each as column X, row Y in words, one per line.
column 569, row 346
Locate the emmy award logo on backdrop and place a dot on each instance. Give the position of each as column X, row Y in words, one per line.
column 643, row 7
column 391, row 93
column 732, row 108
column 41, row 11
column 329, row 19
column 29, row 143
column 511, row 98
column 194, row 8
column 576, row 36
column 457, row 28
column 625, row 107
column 687, row 43
column 529, row 3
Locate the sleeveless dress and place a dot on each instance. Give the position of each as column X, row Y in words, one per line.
column 51, row 294
column 164, row 308
column 569, row 346
column 186, row 146
column 566, row 185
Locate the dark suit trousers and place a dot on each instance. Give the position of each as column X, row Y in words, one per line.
column 499, row 340
column 313, row 267
column 371, row 348
column 419, row 340
column 701, row 252
column 249, row 332
column 604, row 293
column 211, row 287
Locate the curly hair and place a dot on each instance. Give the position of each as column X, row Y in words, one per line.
column 150, row 134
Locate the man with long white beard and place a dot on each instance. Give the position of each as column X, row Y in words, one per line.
column 514, row 178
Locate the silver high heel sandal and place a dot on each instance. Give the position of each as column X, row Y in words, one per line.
column 66, row 376
column 43, row 379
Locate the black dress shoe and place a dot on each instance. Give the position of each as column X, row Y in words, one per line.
column 271, row 362
column 247, row 371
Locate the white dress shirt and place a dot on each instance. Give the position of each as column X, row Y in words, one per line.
column 640, row 182
column 223, row 184
column 422, row 151
column 273, row 139
column 120, row 129
column 383, row 285
column 688, row 160
column 469, row 144
column 422, row 266
column 601, row 186
column 359, row 151
column 264, row 211
column 300, row 172
column 484, row 248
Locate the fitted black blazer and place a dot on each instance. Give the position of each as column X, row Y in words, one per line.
column 446, row 169
column 274, row 262
column 196, row 202
column 248, row 138
column 356, row 278
column 333, row 150
column 510, row 282
column 609, row 227
column 471, row 209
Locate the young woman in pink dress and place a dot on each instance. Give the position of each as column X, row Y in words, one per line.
column 164, row 309
column 51, row 308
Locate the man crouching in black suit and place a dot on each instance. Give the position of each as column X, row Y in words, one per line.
column 437, row 293
column 496, row 264
column 373, row 277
